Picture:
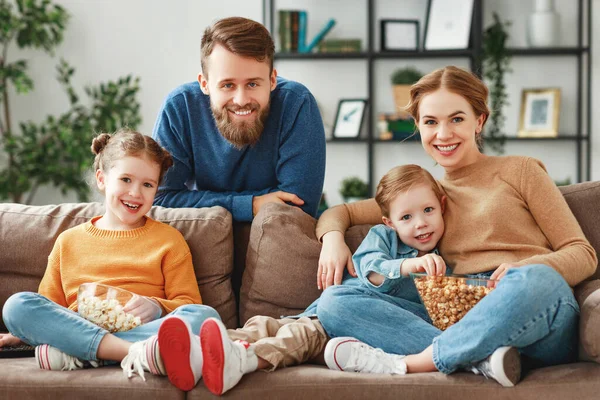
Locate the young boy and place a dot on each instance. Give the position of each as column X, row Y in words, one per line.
column 412, row 205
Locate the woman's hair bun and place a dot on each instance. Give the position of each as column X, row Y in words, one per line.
column 100, row 142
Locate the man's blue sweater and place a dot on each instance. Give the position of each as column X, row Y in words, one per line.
column 209, row 171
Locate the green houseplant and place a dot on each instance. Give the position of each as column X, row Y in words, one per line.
column 496, row 63
column 56, row 151
column 402, row 79
column 353, row 189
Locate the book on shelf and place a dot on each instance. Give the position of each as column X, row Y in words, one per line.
column 292, row 32
column 340, row 46
column 320, row 36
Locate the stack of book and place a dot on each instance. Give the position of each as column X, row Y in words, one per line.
column 292, row 32
column 340, row 46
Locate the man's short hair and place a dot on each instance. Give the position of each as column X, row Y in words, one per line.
column 241, row 36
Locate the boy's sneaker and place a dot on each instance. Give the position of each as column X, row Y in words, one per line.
column 350, row 354
column 225, row 361
column 143, row 356
column 504, row 365
column 181, row 353
column 51, row 358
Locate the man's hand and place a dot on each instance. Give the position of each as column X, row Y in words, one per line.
column 432, row 264
column 275, row 197
column 144, row 307
column 334, row 258
column 6, row 339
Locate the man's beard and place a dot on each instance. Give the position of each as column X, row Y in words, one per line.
column 241, row 133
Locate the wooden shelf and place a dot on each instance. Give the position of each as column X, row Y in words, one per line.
column 424, row 54
column 547, row 51
column 321, row 56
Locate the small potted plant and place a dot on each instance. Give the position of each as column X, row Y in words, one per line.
column 402, row 80
column 354, row 189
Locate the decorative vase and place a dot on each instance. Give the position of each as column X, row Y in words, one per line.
column 401, row 99
column 543, row 25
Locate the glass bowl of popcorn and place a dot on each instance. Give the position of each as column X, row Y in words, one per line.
column 104, row 306
column 448, row 298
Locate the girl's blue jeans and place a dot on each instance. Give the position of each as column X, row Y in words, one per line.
column 37, row 320
column 532, row 308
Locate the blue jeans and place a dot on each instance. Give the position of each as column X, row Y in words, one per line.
column 532, row 309
column 36, row 320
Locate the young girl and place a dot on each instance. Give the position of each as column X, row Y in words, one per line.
column 505, row 218
column 122, row 248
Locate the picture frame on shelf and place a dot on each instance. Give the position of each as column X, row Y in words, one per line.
column 349, row 118
column 540, row 109
column 399, row 34
column 448, row 24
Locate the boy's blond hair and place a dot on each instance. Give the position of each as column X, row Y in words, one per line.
column 400, row 179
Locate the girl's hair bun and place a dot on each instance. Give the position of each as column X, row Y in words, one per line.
column 100, row 142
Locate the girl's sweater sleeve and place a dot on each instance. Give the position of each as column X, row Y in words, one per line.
column 181, row 287
column 51, row 285
column 342, row 217
column 573, row 257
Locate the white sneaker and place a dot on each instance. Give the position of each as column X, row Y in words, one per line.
column 51, row 358
column 143, row 356
column 350, row 354
column 181, row 353
column 225, row 361
column 504, row 365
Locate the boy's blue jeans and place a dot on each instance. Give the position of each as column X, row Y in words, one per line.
column 36, row 320
column 532, row 309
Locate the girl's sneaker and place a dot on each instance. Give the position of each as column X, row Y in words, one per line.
column 51, row 358
column 225, row 361
column 350, row 354
column 143, row 356
column 181, row 353
column 504, row 365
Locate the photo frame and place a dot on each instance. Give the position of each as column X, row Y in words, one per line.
column 399, row 34
column 448, row 24
column 349, row 118
column 540, row 109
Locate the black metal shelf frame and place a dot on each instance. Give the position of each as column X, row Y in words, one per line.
column 582, row 53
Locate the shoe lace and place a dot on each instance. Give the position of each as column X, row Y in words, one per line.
column 482, row 368
column 135, row 361
column 70, row 363
column 365, row 358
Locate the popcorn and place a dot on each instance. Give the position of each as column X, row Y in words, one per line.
column 448, row 299
column 107, row 313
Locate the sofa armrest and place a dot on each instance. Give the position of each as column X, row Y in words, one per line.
column 588, row 297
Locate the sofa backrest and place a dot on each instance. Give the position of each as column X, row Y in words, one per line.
column 27, row 234
column 584, row 201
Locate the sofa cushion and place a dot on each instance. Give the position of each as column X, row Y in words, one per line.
column 22, row 378
column 583, row 199
column 27, row 234
column 282, row 260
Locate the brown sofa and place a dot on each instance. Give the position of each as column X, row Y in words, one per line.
column 279, row 279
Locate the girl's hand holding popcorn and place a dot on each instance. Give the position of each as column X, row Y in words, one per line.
column 145, row 308
column 431, row 264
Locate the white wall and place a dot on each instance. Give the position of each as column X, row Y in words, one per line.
column 159, row 41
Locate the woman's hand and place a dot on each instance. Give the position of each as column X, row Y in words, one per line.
column 502, row 270
column 335, row 256
column 431, row 264
column 144, row 307
column 6, row 339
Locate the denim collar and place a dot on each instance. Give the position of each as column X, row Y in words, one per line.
column 406, row 250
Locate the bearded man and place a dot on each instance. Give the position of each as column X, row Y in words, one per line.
column 240, row 136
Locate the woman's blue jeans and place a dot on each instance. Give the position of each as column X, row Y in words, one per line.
column 532, row 309
column 36, row 320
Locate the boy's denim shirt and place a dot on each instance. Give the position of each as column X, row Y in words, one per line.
column 382, row 252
